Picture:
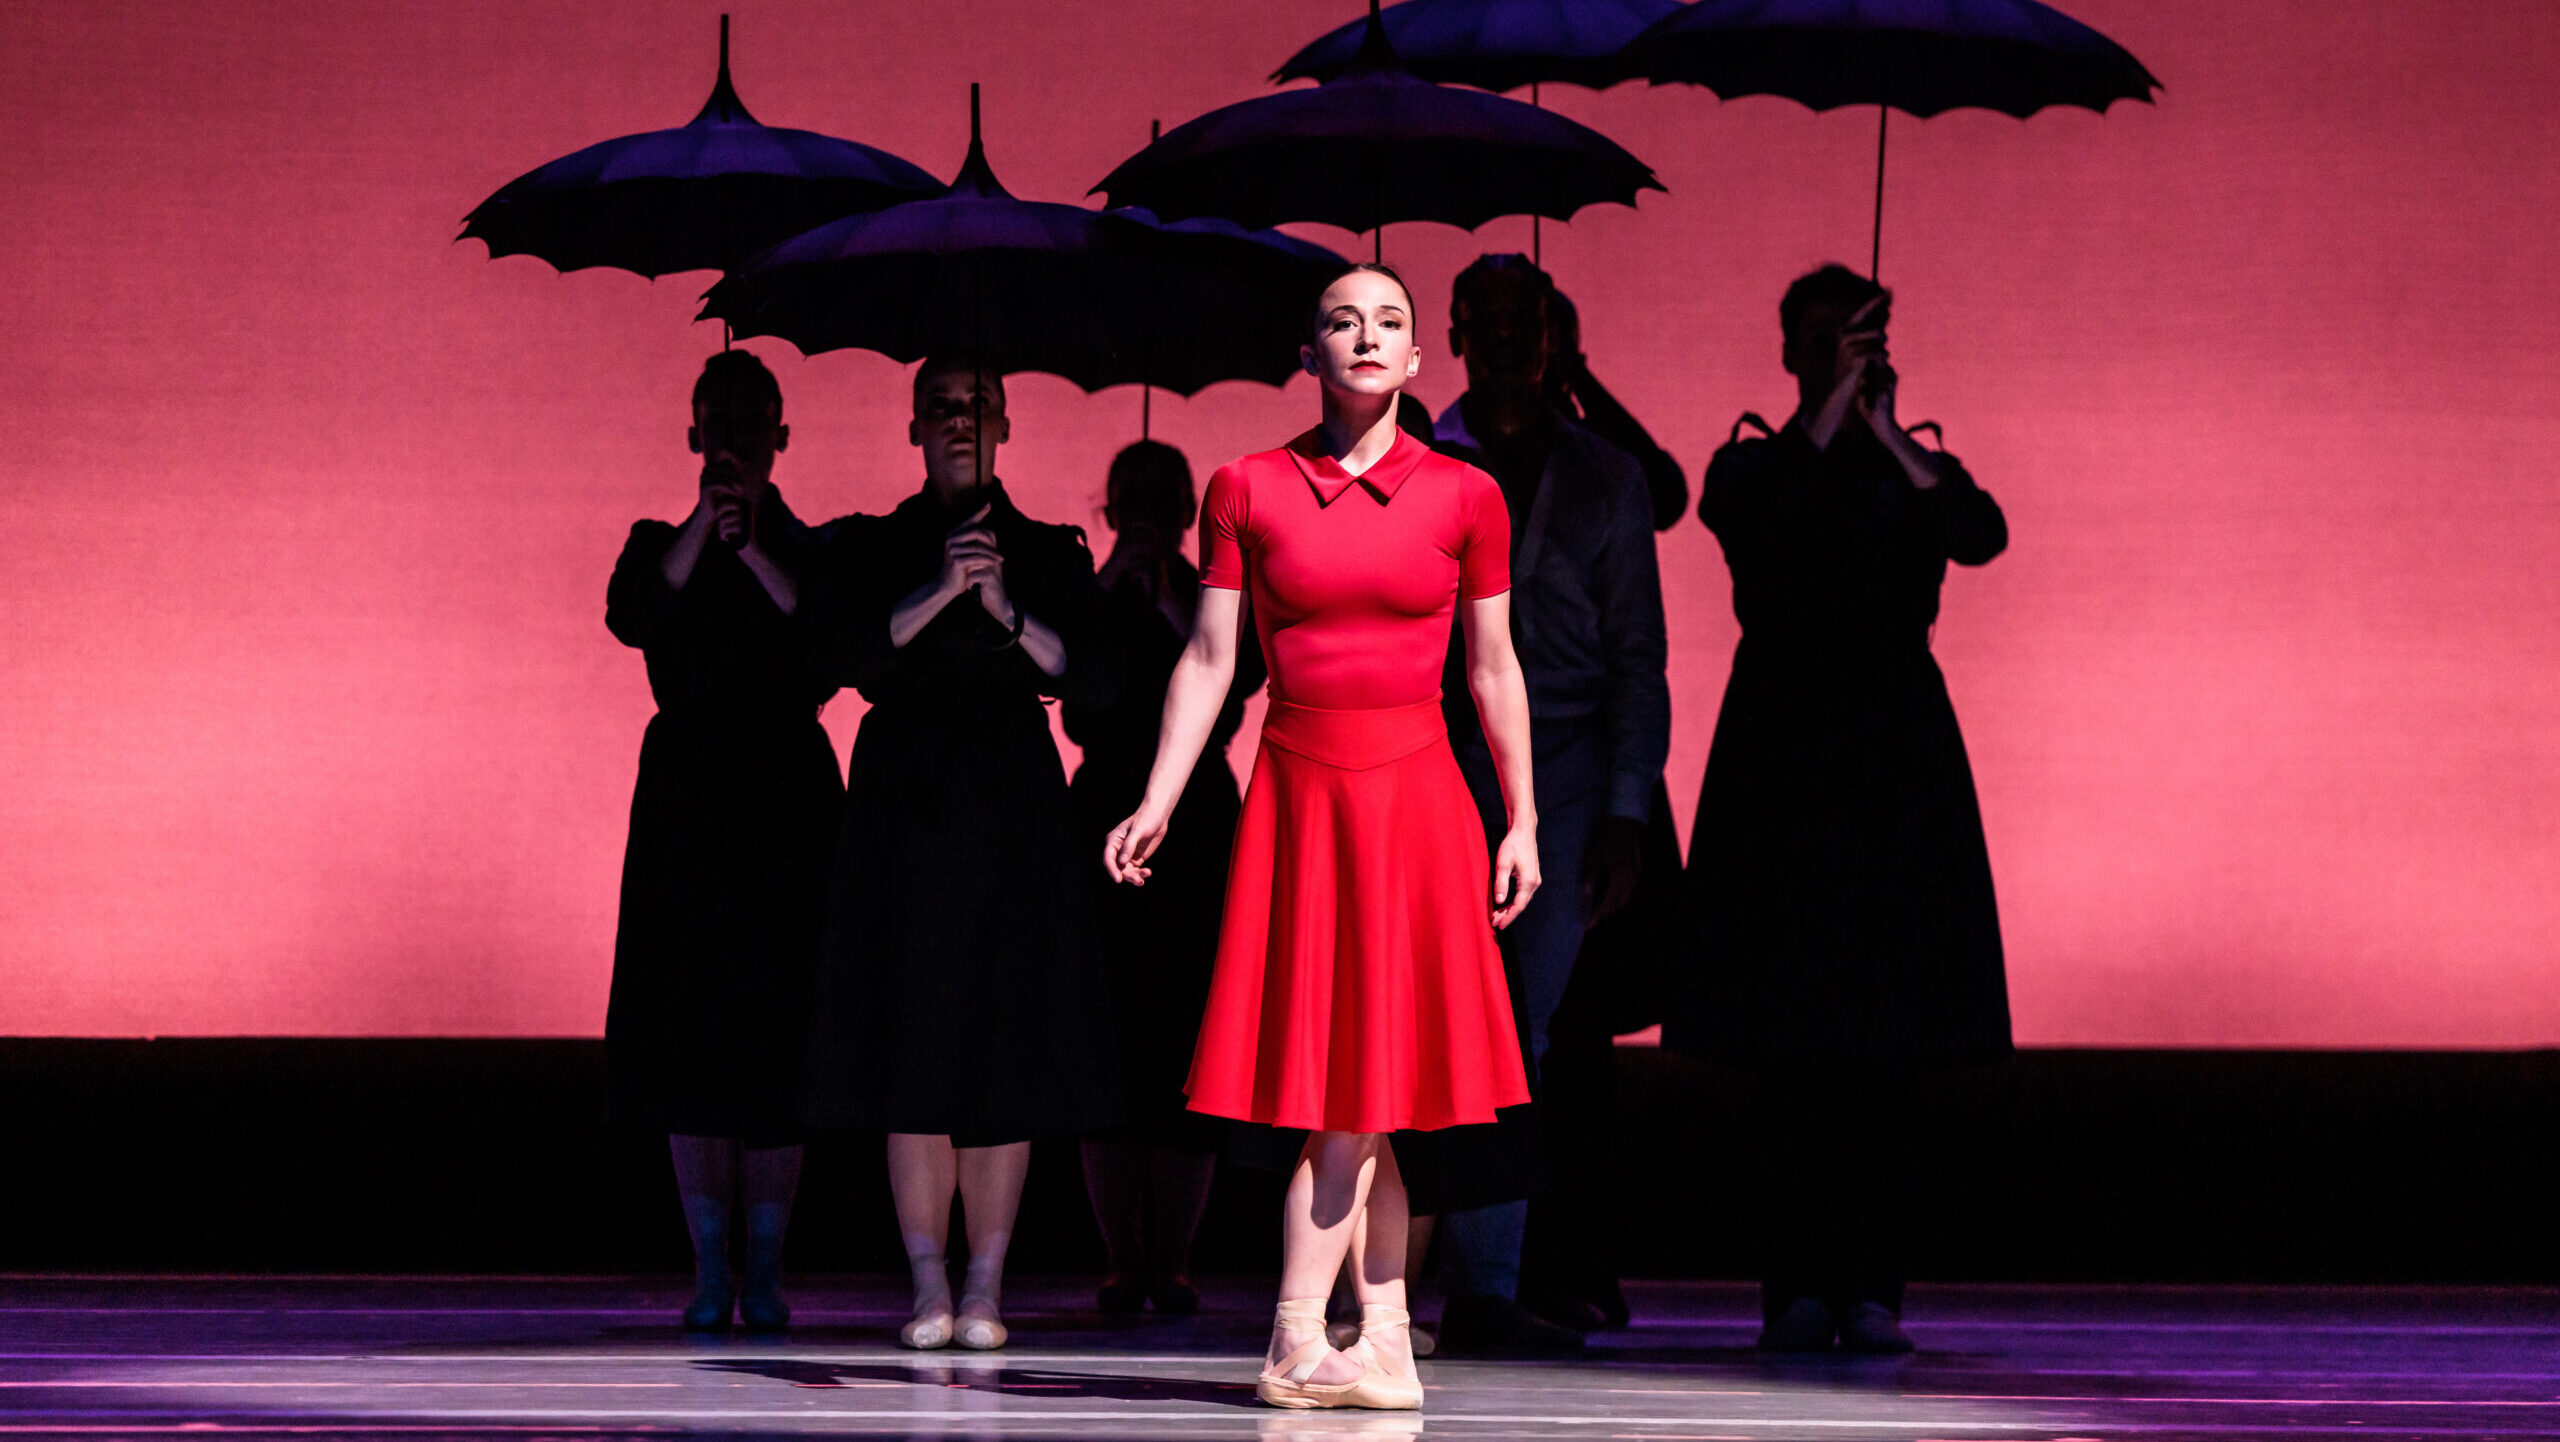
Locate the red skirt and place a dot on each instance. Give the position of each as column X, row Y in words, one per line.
column 1358, row 987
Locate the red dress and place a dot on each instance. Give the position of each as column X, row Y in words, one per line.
column 1357, row 985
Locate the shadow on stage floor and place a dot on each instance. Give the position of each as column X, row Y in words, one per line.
column 460, row 1357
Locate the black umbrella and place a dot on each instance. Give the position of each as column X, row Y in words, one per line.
column 703, row 196
column 1101, row 298
column 1375, row 145
column 1919, row 56
column 1256, row 289
column 1494, row 45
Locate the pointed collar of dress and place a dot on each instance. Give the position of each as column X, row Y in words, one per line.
column 1383, row 479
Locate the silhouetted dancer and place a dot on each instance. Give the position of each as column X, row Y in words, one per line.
column 1149, row 1178
column 1843, row 894
column 1569, row 1271
column 724, row 877
column 1586, row 613
column 962, row 1006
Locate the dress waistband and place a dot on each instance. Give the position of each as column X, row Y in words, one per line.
column 1354, row 740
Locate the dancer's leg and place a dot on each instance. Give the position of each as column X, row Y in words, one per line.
column 1178, row 1180
column 1378, row 1266
column 1417, row 1248
column 769, row 1177
column 1318, row 1217
column 707, row 1181
column 1417, row 1255
column 1380, row 1238
column 990, row 1193
column 1115, row 1182
column 922, row 1175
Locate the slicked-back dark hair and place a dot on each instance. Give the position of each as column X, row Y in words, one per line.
column 1832, row 285
column 738, row 371
column 1315, row 302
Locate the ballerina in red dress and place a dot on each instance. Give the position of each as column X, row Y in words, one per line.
column 1357, row 990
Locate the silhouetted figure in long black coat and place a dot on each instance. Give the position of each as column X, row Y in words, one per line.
column 724, row 875
column 962, row 1005
column 1837, row 870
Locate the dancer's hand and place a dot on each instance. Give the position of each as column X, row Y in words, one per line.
column 1132, row 842
column 1611, row 866
column 989, row 580
column 1876, row 398
column 968, row 555
column 728, row 500
column 1515, row 875
column 1859, row 344
column 969, row 558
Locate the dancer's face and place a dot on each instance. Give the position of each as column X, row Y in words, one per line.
column 736, row 429
column 1813, row 352
column 1502, row 332
column 959, row 421
column 1363, row 341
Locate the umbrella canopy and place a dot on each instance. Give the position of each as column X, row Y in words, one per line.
column 1101, row 298
column 703, row 196
column 1373, row 146
column 1918, row 56
column 1494, row 44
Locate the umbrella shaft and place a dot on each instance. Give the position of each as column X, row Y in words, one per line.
column 1875, row 243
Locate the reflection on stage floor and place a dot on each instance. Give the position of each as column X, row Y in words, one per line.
column 517, row 1358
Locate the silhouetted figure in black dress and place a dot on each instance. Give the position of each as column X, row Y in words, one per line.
column 1149, row 1178
column 1837, row 868
column 962, row 1006
column 724, row 876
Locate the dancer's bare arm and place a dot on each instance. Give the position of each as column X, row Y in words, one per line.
column 1191, row 703
column 1502, row 704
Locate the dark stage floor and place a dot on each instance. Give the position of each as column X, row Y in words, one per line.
column 583, row 1358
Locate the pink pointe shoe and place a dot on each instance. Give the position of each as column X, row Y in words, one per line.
column 1286, row 1383
column 1379, row 1389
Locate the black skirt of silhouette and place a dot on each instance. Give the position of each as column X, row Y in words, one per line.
column 724, row 877
column 1160, row 939
column 960, row 985
column 1838, row 880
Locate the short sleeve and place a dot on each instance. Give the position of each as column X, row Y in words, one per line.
column 1484, row 539
column 1225, row 515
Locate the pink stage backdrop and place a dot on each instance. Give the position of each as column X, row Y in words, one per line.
column 308, row 718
